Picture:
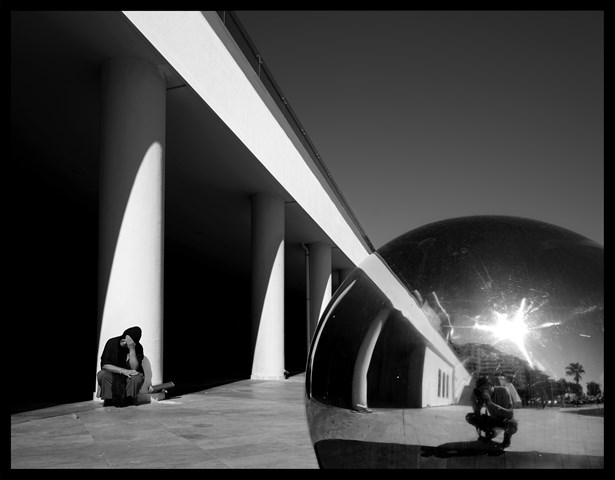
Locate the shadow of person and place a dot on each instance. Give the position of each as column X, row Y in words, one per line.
column 463, row 449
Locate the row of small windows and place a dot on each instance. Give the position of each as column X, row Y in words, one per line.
column 443, row 381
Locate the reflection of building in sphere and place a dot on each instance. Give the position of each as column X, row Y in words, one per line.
column 396, row 354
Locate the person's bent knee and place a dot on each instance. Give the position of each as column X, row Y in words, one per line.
column 133, row 385
column 138, row 379
column 104, row 375
column 511, row 426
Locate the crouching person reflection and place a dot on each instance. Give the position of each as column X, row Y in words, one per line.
column 492, row 410
column 121, row 376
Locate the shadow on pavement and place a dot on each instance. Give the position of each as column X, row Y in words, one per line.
column 463, row 449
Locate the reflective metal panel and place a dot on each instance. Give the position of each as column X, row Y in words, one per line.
column 391, row 380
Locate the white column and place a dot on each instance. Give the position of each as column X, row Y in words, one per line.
column 131, row 206
column 364, row 358
column 268, row 286
column 320, row 281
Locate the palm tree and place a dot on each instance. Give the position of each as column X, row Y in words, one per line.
column 575, row 370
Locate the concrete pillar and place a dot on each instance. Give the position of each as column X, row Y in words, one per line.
column 320, row 281
column 364, row 358
column 131, row 206
column 267, row 286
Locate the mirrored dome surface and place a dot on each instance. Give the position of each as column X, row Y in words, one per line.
column 391, row 380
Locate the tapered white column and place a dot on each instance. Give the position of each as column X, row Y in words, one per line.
column 131, row 206
column 320, row 281
column 364, row 357
column 268, row 286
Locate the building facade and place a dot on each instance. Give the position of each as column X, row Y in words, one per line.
column 157, row 179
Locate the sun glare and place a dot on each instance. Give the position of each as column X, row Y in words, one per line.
column 510, row 328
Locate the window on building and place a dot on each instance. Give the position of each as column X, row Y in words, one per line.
column 439, row 381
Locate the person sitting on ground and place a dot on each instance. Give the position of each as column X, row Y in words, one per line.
column 499, row 412
column 121, row 376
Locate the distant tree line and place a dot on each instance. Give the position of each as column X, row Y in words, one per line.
column 533, row 385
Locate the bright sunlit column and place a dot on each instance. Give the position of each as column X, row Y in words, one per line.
column 320, row 281
column 267, row 286
column 364, row 357
column 131, row 206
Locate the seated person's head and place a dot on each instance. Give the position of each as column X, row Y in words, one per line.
column 134, row 333
column 484, row 384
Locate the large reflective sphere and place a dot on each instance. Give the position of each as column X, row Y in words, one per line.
column 391, row 380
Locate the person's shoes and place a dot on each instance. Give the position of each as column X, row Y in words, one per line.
column 127, row 402
column 506, row 441
column 112, row 402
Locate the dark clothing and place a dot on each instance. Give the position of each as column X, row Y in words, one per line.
column 500, row 406
column 119, row 387
column 501, row 396
column 486, row 423
column 117, row 355
column 115, row 385
column 134, row 332
column 499, row 413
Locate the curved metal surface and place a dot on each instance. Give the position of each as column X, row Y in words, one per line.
column 396, row 355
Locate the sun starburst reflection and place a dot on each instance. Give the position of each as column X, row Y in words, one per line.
column 512, row 328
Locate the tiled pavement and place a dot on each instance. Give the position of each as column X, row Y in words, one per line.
column 262, row 424
column 247, row 424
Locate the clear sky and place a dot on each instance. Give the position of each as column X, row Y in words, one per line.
column 422, row 116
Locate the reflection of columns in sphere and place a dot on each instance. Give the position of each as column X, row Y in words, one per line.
column 399, row 347
column 320, row 281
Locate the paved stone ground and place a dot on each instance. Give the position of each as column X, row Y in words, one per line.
column 263, row 424
column 247, row 424
column 439, row 437
column 561, row 431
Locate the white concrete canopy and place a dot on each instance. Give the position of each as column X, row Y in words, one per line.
column 198, row 46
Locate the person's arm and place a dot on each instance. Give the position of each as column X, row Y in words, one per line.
column 498, row 411
column 115, row 369
column 477, row 401
column 108, row 357
column 132, row 353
